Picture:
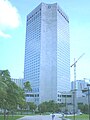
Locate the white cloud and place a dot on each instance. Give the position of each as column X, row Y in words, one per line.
column 2, row 34
column 9, row 16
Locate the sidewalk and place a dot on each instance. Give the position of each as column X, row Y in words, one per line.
column 39, row 117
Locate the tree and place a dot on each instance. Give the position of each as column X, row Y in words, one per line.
column 42, row 107
column 16, row 95
column 50, row 106
column 27, row 86
column 13, row 94
column 4, row 77
column 3, row 92
column 83, row 107
column 22, row 106
column 32, row 106
column 3, row 85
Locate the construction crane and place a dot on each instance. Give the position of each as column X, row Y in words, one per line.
column 74, row 85
column 74, row 64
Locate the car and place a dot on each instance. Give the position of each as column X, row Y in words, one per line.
column 58, row 114
column 79, row 113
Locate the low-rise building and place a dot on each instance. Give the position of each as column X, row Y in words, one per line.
column 19, row 81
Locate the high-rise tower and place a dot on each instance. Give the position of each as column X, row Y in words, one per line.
column 47, row 52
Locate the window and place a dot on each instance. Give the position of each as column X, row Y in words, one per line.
column 49, row 6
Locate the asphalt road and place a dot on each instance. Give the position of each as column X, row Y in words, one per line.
column 40, row 117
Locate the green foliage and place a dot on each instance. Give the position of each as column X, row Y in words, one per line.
column 22, row 105
column 27, row 86
column 83, row 108
column 50, row 106
column 79, row 117
column 10, row 94
column 32, row 107
column 10, row 117
column 3, row 84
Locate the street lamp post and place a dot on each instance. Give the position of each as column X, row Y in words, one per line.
column 88, row 90
column 74, row 104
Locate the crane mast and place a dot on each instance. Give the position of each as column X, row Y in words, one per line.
column 74, row 64
column 74, row 85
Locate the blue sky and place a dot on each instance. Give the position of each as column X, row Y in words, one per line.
column 13, row 28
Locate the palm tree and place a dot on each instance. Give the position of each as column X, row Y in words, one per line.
column 27, row 86
column 10, row 94
column 4, row 77
column 3, row 89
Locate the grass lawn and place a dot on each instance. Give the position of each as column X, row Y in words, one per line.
column 10, row 117
column 79, row 117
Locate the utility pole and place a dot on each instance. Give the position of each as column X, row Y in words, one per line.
column 88, row 90
column 74, row 86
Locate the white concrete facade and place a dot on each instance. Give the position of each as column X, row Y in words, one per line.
column 19, row 81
